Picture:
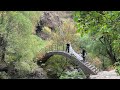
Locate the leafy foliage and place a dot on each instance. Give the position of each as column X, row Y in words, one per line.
column 117, row 67
column 73, row 75
column 4, row 75
column 56, row 65
column 65, row 34
column 59, row 67
column 17, row 30
column 102, row 28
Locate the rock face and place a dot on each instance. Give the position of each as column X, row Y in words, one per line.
column 105, row 75
column 50, row 20
column 53, row 20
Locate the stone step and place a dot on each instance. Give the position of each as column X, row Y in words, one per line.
column 88, row 64
column 97, row 70
column 92, row 68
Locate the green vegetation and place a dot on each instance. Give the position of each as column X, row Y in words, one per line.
column 102, row 29
column 20, row 45
column 56, row 66
column 117, row 66
column 73, row 75
column 95, row 31
column 59, row 67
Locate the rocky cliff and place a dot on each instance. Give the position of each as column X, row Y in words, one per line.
column 52, row 20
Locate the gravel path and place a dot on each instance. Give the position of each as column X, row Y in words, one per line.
column 105, row 75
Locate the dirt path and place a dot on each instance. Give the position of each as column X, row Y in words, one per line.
column 105, row 75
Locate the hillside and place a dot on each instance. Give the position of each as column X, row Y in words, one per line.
column 53, row 20
column 59, row 44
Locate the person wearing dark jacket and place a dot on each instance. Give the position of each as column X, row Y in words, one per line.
column 67, row 47
column 83, row 54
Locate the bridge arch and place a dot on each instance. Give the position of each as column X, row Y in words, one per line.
column 83, row 65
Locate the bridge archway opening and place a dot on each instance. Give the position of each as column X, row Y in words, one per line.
column 56, row 65
column 86, row 67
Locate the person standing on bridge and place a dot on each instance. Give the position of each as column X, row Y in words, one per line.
column 68, row 47
column 83, row 54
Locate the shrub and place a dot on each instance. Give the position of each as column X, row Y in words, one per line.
column 117, row 67
column 4, row 75
column 73, row 75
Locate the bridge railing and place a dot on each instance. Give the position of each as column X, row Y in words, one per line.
column 53, row 47
column 56, row 47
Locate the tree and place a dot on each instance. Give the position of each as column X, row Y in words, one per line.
column 103, row 27
column 17, row 40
